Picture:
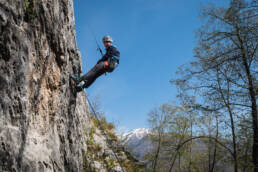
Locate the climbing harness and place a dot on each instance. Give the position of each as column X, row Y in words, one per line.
column 103, row 131
column 113, row 62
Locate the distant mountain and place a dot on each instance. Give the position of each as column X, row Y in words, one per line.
column 138, row 142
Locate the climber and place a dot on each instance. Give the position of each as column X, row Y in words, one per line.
column 107, row 63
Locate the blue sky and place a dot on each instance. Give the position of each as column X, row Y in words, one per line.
column 154, row 37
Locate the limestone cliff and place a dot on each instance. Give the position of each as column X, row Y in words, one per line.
column 41, row 120
column 44, row 125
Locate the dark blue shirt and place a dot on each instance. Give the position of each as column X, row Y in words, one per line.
column 111, row 52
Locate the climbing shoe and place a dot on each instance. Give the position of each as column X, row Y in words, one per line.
column 76, row 79
column 79, row 88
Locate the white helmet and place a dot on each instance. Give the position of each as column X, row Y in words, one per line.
column 107, row 39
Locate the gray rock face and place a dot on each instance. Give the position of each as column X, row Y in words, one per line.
column 44, row 125
column 42, row 122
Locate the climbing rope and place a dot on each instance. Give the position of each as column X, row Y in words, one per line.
column 103, row 131
column 94, row 36
column 94, row 112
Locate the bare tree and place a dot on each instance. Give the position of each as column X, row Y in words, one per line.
column 226, row 67
column 158, row 121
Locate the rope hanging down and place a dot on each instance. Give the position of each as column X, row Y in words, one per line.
column 94, row 112
column 103, row 131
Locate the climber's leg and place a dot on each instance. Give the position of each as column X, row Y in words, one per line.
column 93, row 74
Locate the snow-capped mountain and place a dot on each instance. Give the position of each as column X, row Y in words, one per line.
column 136, row 134
column 138, row 142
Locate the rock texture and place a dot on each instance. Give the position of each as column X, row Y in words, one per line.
column 44, row 125
column 100, row 156
column 42, row 121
